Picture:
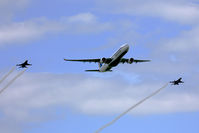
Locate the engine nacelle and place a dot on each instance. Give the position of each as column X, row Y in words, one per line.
column 130, row 61
column 103, row 60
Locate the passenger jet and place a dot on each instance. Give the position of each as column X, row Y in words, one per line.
column 105, row 64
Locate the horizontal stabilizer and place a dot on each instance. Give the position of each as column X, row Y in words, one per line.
column 92, row 70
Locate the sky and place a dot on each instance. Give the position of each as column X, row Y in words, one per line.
column 58, row 96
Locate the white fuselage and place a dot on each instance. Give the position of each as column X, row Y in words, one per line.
column 115, row 58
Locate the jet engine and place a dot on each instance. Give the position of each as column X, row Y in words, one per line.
column 130, row 61
column 103, row 60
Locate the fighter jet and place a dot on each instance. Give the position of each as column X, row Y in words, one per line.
column 105, row 64
column 24, row 65
column 176, row 82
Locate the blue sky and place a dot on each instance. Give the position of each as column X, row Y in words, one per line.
column 58, row 96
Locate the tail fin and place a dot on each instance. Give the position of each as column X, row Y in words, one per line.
column 92, row 70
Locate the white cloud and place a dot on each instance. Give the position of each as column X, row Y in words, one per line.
column 20, row 32
column 152, row 106
column 8, row 8
column 83, row 18
column 91, row 95
column 182, row 11
column 85, row 23
column 187, row 41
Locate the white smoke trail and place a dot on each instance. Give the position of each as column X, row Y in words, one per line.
column 7, row 75
column 9, row 83
column 132, row 107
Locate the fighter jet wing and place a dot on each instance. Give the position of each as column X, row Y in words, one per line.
column 131, row 60
column 84, row 60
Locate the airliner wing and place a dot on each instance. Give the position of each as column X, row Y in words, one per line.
column 84, row 60
column 131, row 60
column 136, row 61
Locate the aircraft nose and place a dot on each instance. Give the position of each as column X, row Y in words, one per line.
column 127, row 46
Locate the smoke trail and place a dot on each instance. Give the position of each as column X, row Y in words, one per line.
column 7, row 75
column 9, row 83
column 132, row 107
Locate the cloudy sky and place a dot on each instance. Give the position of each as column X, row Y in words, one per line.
column 58, row 96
